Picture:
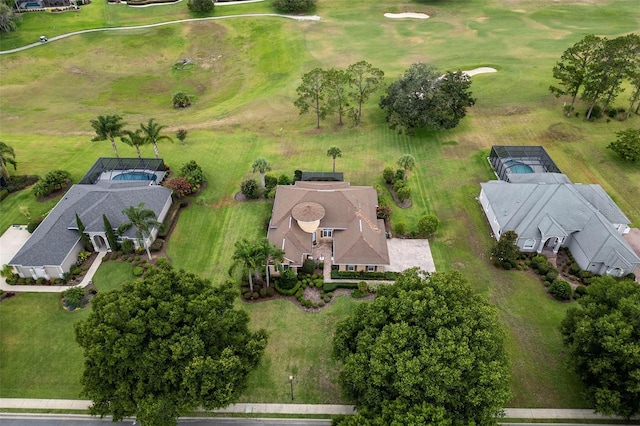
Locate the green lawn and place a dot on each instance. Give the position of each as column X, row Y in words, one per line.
column 243, row 78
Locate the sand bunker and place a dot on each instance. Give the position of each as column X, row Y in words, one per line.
column 481, row 70
column 406, row 15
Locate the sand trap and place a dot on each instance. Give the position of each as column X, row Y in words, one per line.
column 481, row 70
column 406, row 15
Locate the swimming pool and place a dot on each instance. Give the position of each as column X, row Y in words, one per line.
column 514, row 166
column 135, row 176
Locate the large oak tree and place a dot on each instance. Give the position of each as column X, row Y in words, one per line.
column 602, row 337
column 164, row 345
column 428, row 346
column 425, row 98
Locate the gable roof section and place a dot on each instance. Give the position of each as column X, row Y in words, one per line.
column 346, row 207
column 58, row 233
column 542, row 210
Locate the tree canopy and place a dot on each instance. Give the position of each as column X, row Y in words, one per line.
column 595, row 68
column 627, row 145
column 152, row 133
column 602, row 337
column 161, row 346
column 8, row 18
column 108, row 127
column 7, row 156
column 425, row 98
column 261, row 165
column 505, row 250
column 425, row 344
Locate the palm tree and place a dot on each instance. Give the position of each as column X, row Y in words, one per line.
column 144, row 221
column 407, row 162
column 269, row 254
column 152, row 133
column 334, row 152
column 246, row 255
column 261, row 165
column 7, row 156
column 108, row 127
column 135, row 139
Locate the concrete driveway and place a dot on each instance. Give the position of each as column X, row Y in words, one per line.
column 11, row 241
column 405, row 254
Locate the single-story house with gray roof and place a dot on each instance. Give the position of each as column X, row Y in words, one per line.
column 54, row 246
column 336, row 213
column 547, row 212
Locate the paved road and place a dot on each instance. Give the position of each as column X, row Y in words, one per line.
column 81, row 420
column 160, row 24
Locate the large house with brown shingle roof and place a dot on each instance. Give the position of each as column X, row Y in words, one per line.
column 309, row 214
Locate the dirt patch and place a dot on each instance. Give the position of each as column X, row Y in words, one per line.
column 562, row 132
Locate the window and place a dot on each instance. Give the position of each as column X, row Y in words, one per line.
column 371, row 268
column 351, row 267
column 327, row 233
column 529, row 244
column 285, row 267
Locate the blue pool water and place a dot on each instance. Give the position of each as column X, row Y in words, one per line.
column 135, row 176
column 514, row 166
column 32, row 5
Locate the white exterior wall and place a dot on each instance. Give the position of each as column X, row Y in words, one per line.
column 491, row 216
column 581, row 258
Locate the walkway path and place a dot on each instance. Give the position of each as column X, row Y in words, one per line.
column 327, row 409
column 159, row 24
column 54, row 288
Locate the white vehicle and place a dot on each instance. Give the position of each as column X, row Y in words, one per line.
column 43, row 39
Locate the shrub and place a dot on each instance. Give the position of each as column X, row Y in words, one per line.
column 20, row 182
column 270, row 292
column 383, row 212
column 83, row 255
column 427, row 225
column 156, row 245
column 181, row 100
column 288, row 279
column 552, row 274
column 270, row 181
column 404, row 194
column 250, row 188
column 596, row 112
column 398, row 185
column 357, row 294
column 31, row 226
column 574, row 269
column 299, row 293
column 400, row 229
column 193, row 173
column 74, row 296
column 327, row 297
column 507, row 265
column 4, row 194
column 255, row 295
column 162, row 262
column 263, row 292
column 180, row 186
column 308, row 266
column 138, row 271
column 579, row 291
column 284, row 180
column 294, row 6
column 52, row 181
column 246, row 295
column 127, row 247
column 399, row 175
column 561, row 290
column 388, row 175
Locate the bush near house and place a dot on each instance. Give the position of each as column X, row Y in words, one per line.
column 52, row 181
column 561, row 290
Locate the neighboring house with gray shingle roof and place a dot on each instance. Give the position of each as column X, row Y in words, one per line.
column 53, row 247
column 307, row 213
column 551, row 212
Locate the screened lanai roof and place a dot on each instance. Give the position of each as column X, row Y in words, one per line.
column 104, row 164
column 507, row 160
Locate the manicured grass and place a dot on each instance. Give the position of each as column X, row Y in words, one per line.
column 244, row 77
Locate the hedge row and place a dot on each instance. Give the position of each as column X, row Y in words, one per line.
column 361, row 275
